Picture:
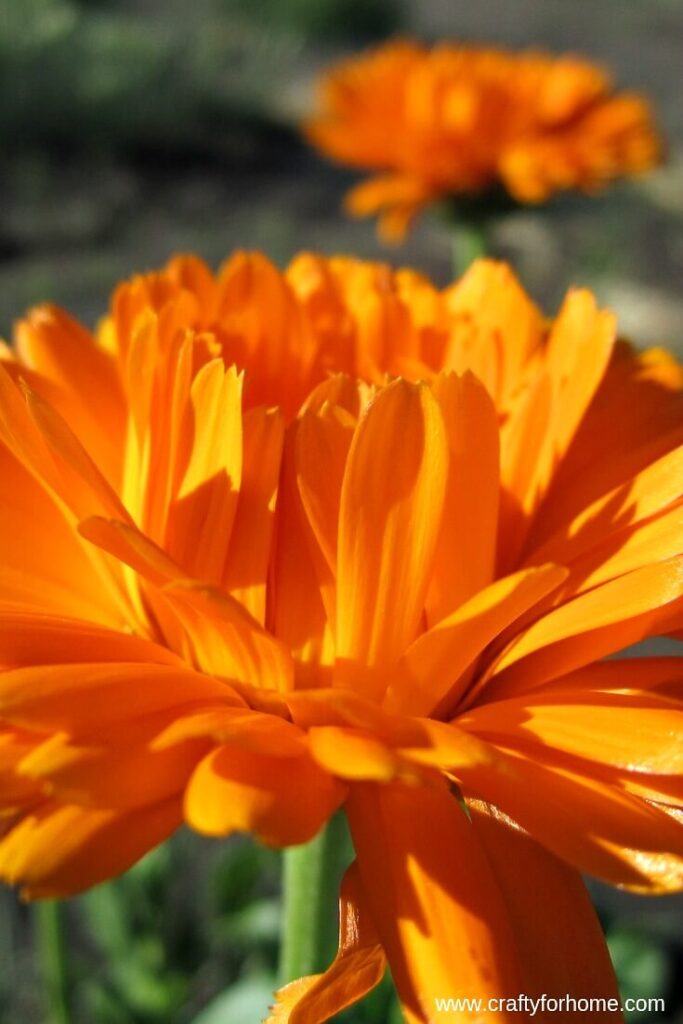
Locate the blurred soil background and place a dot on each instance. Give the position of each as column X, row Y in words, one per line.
column 132, row 129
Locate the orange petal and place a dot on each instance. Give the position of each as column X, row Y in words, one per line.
column 637, row 733
column 540, row 892
column 62, row 351
column 390, row 518
column 77, row 698
column 522, row 443
column 115, row 776
column 609, row 448
column 267, row 331
column 653, row 489
column 384, row 191
column 20, row 433
column 31, row 638
column 342, row 725
column 322, row 446
column 42, row 441
column 17, row 791
column 132, row 547
column 663, row 676
column 358, row 967
column 595, row 826
column 83, row 487
column 578, row 352
column 224, row 639
column 201, row 516
column 252, row 532
column 234, row 790
column 466, row 549
column 193, row 275
column 429, row 671
column 59, row 849
column 656, row 540
column 241, row 727
column 296, row 612
column 350, row 754
column 43, row 561
column 595, row 624
column 485, row 305
column 433, row 898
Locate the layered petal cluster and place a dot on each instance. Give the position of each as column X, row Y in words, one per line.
column 276, row 544
column 456, row 119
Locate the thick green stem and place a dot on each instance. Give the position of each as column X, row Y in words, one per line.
column 53, row 962
column 470, row 241
column 310, row 918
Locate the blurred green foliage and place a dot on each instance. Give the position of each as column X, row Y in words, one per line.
column 106, row 79
column 190, row 936
column 113, row 75
column 331, row 19
column 174, row 935
column 643, row 967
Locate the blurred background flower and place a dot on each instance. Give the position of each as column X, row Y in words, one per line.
column 458, row 121
column 131, row 130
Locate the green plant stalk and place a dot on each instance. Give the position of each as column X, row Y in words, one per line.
column 312, row 874
column 470, row 242
column 53, row 960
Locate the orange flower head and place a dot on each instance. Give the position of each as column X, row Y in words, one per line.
column 456, row 120
column 242, row 589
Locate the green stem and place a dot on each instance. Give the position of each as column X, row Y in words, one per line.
column 310, row 918
column 470, row 241
column 53, row 961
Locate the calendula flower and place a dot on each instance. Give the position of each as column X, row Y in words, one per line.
column 456, row 120
column 395, row 596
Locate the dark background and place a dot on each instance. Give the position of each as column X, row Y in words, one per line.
column 132, row 129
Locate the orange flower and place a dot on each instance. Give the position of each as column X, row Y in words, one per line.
column 455, row 119
column 394, row 598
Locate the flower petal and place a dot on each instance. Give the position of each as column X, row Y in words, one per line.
column 63, row 352
column 118, row 776
column 593, row 625
column 76, row 698
column 433, row 897
column 351, row 754
column 557, row 932
column 428, row 675
column 589, row 823
column 466, row 549
column 251, row 538
column 235, row 790
column 358, row 967
column 390, row 518
column 201, row 515
column 296, row 614
column 58, row 849
column 30, row 638
column 651, row 490
column 635, row 732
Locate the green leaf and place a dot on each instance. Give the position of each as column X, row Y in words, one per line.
column 107, row 918
column 256, row 924
column 640, row 964
column 248, row 1000
column 147, row 992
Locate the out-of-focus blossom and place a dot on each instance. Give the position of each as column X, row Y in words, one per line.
column 460, row 120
